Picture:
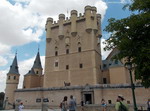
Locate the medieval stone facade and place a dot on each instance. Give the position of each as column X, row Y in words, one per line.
column 73, row 66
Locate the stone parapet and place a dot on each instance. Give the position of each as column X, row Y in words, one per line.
column 86, row 87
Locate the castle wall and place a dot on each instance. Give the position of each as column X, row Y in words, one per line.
column 107, row 92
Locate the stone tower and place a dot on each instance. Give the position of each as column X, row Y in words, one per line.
column 34, row 77
column 11, row 83
column 73, row 54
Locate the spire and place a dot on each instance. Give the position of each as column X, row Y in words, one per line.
column 37, row 62
column 14, row 66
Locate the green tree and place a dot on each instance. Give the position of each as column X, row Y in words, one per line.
column 131, row 36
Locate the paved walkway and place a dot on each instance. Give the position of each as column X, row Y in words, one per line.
column 34, row 110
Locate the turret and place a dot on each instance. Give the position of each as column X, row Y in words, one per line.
column 48, row 29
column 99, row 34
column 33, row 78
column 11, row 83
column 94, row 19
column 88, row 19
column 61, row 27
column 73, row 22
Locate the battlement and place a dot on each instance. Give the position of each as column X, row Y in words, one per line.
column 74, row 13
column 90, row 17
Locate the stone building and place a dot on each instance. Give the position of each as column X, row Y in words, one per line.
column 73, row 66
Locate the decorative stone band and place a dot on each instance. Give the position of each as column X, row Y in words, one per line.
column 86, row 87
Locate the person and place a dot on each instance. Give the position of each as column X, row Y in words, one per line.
column 82, row 105
column 64, row 104
column 148, row 105
column 72, row 104
column 120, row 104
column 103, row 103
column 21, row 106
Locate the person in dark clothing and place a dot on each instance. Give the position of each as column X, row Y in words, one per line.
column 148, row 105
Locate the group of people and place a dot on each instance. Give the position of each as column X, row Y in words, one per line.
column 71, row 105
column 119, row 106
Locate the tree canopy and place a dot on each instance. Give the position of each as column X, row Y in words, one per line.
column 131, row 36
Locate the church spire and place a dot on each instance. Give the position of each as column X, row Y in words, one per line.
column 37, row 62
column 14, row 66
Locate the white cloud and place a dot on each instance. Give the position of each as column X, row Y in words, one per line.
column 23, row 24
column 3, row 74
column 118, row 2
column 3, row 61
column 4, row 49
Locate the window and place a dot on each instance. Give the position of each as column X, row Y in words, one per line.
column 116, row 61
column 81, row 65
column 104, row 80
column 56, row 53
column 109, row 101
column 67, row 51
column 104, row 65
column 56, row 64
column 100, row 67
column 38, row 100
column 79, row 49
column 14, row 77
column 37, row 72
column 67, row 66
column 45, row 100
column 128, row 102
column 8, row 77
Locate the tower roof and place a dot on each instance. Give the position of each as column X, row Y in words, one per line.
column 14, row 67
column 37, row 62
column 31, row 72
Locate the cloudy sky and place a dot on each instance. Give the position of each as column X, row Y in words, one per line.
column 22, row 25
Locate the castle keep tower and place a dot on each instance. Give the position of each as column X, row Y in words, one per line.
column 11, row 83
column 73, row 54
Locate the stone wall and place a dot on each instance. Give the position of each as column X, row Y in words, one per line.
column 33, row 98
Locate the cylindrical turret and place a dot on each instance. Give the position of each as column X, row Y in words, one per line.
column 94, row 10
column 48, row 29
column 73, row 22
column 99, row 34
column 88, row 18
column 61, row 31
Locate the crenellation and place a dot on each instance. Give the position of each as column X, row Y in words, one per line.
column 74, row 14
column 48, row 28
column 95, row 27
column 61, row 27
column 99, row 33
column 88, row 21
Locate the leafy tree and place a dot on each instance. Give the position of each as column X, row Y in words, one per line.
column 131, row 36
